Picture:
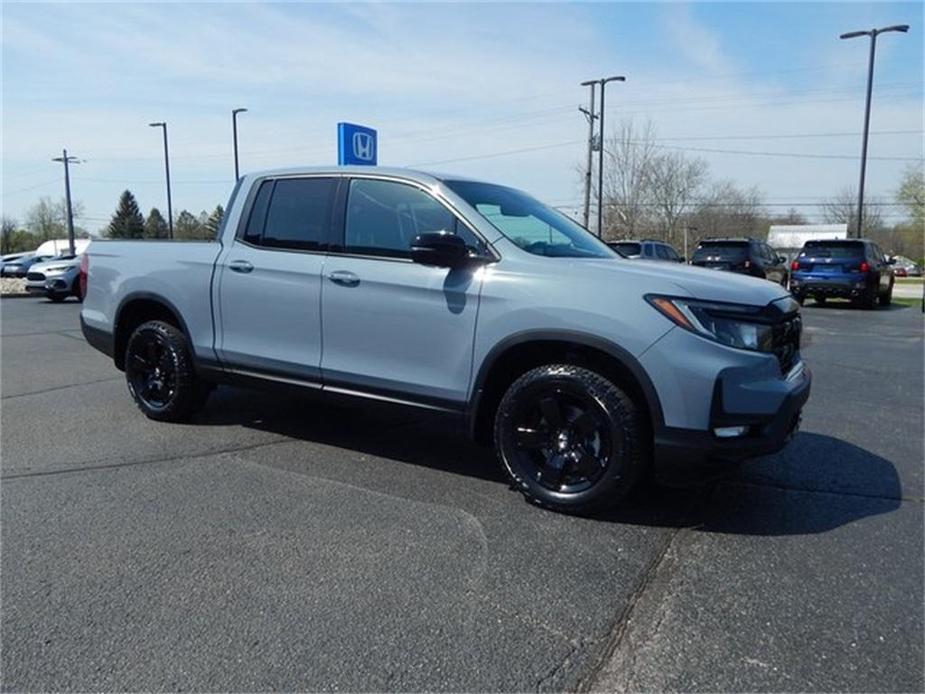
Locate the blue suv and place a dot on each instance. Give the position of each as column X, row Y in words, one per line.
column 849, row 269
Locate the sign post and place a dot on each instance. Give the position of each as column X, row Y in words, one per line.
column 356, row 144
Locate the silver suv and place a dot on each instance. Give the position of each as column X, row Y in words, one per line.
column 461, row 297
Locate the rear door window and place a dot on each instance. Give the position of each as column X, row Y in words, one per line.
column 662, row 253
column 291, row 214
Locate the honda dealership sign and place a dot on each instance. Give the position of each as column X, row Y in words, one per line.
column 356, row 144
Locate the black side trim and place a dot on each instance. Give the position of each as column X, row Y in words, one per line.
column 98, row 338
column 584, row 339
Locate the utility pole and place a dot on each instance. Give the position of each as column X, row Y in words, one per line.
column 234, row 136
column 163, row 125
column 600, row 168
column 591, row 116
column 67, row 197
column 873, row 33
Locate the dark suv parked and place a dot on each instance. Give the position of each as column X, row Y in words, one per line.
column 745, row 256
column 646, row 250
column 855, row 269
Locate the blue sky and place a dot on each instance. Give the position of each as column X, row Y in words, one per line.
column 452, row 87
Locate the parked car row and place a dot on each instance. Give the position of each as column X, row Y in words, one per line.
column 55, row 277
column 855, row 269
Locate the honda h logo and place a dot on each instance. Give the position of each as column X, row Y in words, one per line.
column 364, row 146
column 356, row 145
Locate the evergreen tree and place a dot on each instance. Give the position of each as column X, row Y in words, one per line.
column 187, row 226
column 156, row 225
column 127, row 222
column 215, row 221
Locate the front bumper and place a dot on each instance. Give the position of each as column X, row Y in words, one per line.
column 54, row 285
column 766, row 431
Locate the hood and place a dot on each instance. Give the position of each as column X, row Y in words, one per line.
column 694, row 282
column 45, row 264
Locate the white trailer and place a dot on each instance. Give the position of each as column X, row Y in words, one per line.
column 788, row 239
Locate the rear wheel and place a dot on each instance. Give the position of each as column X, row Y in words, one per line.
column 160, row 375
column 887, row 299
column 869, row 298
column 569, row 439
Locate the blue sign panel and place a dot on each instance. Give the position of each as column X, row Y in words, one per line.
column 356, row 144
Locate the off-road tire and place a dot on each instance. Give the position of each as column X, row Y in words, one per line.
column 189, row 392
column 629, row 450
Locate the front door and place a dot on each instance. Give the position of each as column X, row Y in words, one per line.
column 393, row 328
column 269, row 285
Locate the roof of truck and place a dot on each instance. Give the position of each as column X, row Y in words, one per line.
column 427, row 177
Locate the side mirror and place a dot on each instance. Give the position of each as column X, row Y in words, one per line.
column 782, row 259
column 439, row 249
column 682, row 259
column 891, row 261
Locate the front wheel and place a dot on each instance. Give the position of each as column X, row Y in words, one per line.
column 160, row 375
column 569, row 439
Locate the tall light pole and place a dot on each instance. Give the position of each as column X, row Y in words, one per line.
column 67, row 197
column 600, row 169
column 591, row 116
column 234, row 135
column 872, row 33
column 167, row 172
column 687, row 228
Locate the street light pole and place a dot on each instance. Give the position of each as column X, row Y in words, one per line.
column 234, row 135
column 163, row 125
column 873, row 33
column 687, row 228
column 67, row 197
column 591, row 116
column 600, row 161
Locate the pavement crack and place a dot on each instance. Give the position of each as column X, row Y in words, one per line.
column 56, row 388
column 148, row 461
column 809, row 490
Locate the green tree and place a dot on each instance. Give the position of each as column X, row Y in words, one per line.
column 156, row 225
column 188, row 226
column 911, row 195
column 127, row 222
column 215, row 221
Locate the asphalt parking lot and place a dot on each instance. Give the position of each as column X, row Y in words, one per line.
column 275, row 544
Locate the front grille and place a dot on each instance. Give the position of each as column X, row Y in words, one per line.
column 785, row 342
column 35, row 277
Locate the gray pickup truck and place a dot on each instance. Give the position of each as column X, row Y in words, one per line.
column 462, row 297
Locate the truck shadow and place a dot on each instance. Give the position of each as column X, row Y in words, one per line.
column 815, row 485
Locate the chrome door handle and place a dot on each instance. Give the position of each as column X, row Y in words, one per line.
column 240, row 266
column 344, row 278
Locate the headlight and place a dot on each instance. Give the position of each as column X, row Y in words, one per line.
column 58, row 268
column 734, row 325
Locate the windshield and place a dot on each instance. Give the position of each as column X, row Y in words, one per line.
column 832, row 249
column 530, row 224
column 721, row 249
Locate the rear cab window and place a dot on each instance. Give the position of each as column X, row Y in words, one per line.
column 833, row 249
column 627, row 248
column 723, row 250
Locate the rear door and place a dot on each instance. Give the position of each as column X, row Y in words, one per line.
column 268, row 321
column 394, row 328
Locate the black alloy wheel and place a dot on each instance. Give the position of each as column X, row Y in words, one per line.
column 160, row 374
column 569, row 439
